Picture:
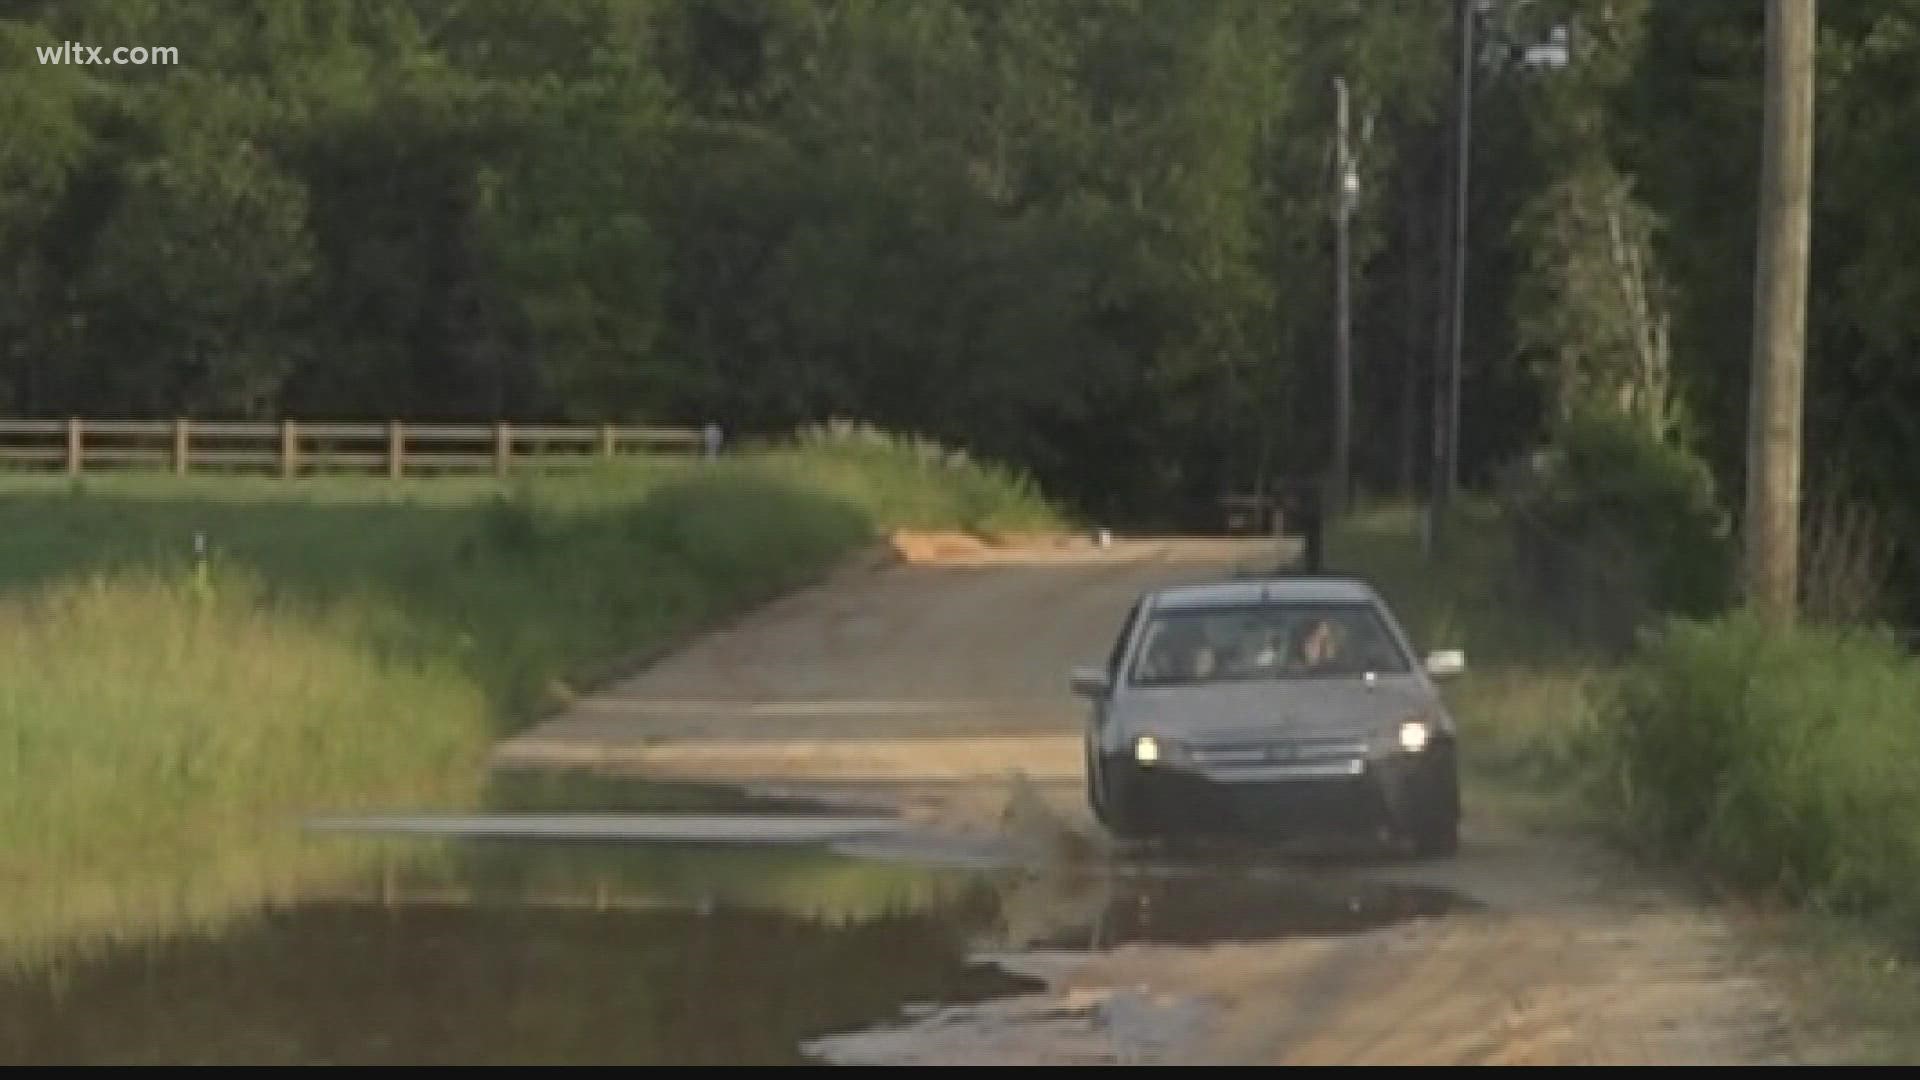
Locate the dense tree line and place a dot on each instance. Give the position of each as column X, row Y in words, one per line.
column 1087, row 235
column 1093, row 237
column 1662, row 124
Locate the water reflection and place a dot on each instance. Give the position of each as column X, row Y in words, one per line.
column 1199, row 908
column 498, row 952
column 342, row 983
column 574, row 952
column 528, row 953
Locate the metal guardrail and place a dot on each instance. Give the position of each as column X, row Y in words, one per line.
column 292, row 447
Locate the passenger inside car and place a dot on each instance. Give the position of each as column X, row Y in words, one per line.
column 1316, row 646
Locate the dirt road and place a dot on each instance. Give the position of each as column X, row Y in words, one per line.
column 936, row 685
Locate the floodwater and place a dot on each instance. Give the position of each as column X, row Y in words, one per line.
column 1209, row 908
column 520, row 951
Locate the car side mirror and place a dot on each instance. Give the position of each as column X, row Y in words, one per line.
column 1090, row 682
column 1446, row 663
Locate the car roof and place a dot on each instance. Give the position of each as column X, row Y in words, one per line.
column 1278, row 588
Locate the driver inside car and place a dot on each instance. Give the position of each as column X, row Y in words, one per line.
column 1320, row 650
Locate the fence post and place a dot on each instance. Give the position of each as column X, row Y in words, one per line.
column 502, row 447
column 289, row 449
column 609, row 443
column 182, row 446
column 76, row 460
column 396, row 450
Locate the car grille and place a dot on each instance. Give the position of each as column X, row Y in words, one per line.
column 1296, row 751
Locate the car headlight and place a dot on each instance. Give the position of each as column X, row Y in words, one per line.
column 1414, row 734
column 1146, row 749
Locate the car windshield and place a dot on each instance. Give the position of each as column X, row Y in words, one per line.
column 1269, row 641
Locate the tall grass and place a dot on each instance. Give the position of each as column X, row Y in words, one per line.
column 1784, row 759
column 533, row 585
column 1783, row 762
column 165, row 723
column 162, row 736
column 1529, row 703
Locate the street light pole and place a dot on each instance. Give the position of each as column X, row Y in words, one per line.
column 1446, row 479
column 1348, row 181
column 1462, row 162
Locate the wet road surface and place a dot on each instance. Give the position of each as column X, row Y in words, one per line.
column 989, row 922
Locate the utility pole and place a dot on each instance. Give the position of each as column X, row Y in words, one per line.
column 1446, row 436
column 1340, row 483
column 1460, row 191
column 1463, row 157
column 1433, row 377
column 1780, row 315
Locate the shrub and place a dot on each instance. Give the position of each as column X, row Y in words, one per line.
column 1611, row 525
column 1785, row 759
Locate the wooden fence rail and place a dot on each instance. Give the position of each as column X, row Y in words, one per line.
column 291, row 447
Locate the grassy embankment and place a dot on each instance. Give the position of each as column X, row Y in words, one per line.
column 1783, row 769
column 1529, row 702
column 353, row 643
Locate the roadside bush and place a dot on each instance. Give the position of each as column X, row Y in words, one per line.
column 1610, row 526
column 1785, row 760
column 921, row 482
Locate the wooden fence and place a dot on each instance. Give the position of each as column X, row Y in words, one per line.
column 291, row 448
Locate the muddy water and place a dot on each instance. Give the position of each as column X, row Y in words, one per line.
column 1206, row 909
column 466, row 984
column 514, row 951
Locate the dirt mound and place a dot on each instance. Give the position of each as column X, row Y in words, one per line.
column 936, row 547
column 922, row 547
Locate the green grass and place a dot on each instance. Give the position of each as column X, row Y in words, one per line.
column 1857, row 997
column 1778, row 768
column 354, row 643
column 1528, row 704
column 536, row 584
column 1784, row 759
column 1782, row 765
column 163, row 735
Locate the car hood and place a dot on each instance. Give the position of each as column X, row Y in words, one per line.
column 1263, row 709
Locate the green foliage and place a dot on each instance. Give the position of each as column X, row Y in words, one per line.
column 161, row 740
column 1051, row 233
column 357, row 644
column 1593, row 306
column 921, row 482
column 204, row 261
column 1688, row 127
column 1090, row 237
column 1530, row 703
column 1782, row 759
column 1611, row 525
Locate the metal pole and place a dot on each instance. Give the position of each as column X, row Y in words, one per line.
column 1434, row 377
column 1464, row 156
column 1346, row 182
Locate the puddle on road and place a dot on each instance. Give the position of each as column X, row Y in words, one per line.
column 1208, row 909
column 514, row 951
column 583, row 790
column 528, row 953
column 441, row 984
